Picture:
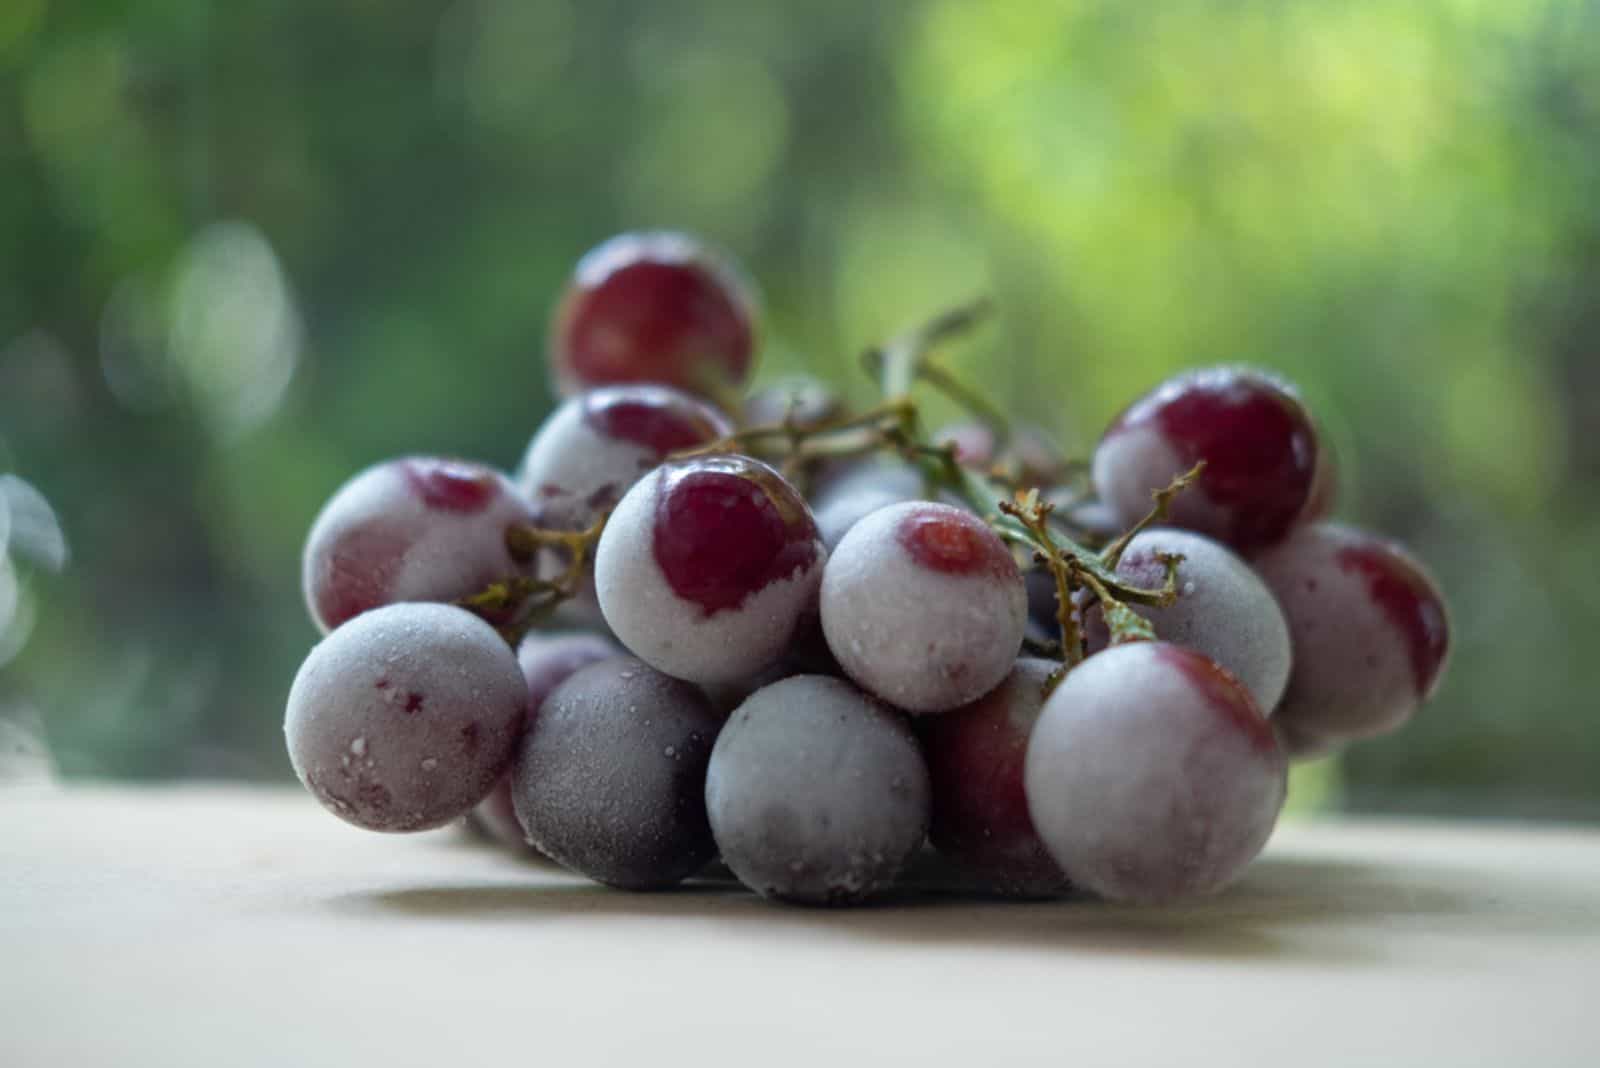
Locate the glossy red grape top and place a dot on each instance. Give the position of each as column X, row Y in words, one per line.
column 943, row 538
column 451, row 485
column 654, row 308
column 727, row 527
column 1222, row 693
column 1256, row 438
column 1410, row 602
column 654, row 418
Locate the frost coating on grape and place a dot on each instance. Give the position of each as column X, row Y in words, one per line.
column 975, row 757
column 414, row 529
column 547, row 659
column 923, row 606
column 1256, row 438
column 594, row 447
column 402, row 719
column 610, row 778
column 852, row 495
column 1370, row 632
column 1223, row 611
column 1151, row 775
column 816, row 793
column 654, row 307
column 744, row 621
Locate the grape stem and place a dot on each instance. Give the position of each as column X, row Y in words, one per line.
column 1016, row 513
column 529, row 601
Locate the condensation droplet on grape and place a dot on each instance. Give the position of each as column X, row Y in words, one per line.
column 359, row 746
column 429, row 764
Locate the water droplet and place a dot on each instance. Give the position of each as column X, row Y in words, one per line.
column 429, row 764
column 669, row 751
column 359, row 746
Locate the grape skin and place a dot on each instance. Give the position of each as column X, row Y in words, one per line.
column 577, row 465
column 817, row 794
column 1257, row 440
column 1151, row 775
column 546, row 660
column 756, row 617
column 403, row 718
column 975, row 757
column 654, row 306
column 1370, row 633
column 387, row 536
column 855, row 494
column 610, row 778
column 1224, row 610
column 924, row 638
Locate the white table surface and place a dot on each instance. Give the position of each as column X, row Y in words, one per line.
column 226, row 927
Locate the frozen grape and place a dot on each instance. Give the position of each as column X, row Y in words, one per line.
column 546, row 660
column 1029, row 457
column 402, row 719
column 415, row 529
column 1257, row 440
column 599, row 443
column 610, row 778
column 845, row 500
column 1223, row 611
column 708, row 567
column 800, row 399
column 654, row 307
column 1369, row 629
column 923, row 606
column 1151, row 774
column 975, row 757
column 816, row 792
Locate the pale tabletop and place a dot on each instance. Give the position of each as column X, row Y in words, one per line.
column 213, row 927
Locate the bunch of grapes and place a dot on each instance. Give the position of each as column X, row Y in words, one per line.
column 815, row 642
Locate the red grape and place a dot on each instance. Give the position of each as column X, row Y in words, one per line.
column 1258, row 442
column 402, row 719
column 1151, row 774
column 975, row 757
column 416, row 529
column 1370, row 633
column 707, row 568
column 923, row 606
column 654, row 307
column 1224, row 610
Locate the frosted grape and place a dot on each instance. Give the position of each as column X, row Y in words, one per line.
column 402, row 718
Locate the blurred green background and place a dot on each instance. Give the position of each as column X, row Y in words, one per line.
column 250, row 247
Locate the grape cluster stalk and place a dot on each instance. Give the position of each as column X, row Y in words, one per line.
column 824, row 645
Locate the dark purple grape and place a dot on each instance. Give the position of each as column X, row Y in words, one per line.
column 975, row 759
column 402, row 718
column 610, row 779
column 1258, row 442
column 1152, row 776
column 923, row 606
column 654, row 307
column 1370, row 633
column 417, row 529
column 546, row 660
column 816, row 793
column 1224, row 611
column 708, row 567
